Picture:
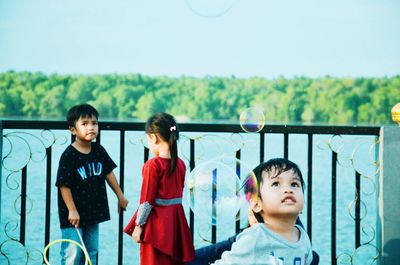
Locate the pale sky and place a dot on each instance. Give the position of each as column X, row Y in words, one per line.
column 266, row 38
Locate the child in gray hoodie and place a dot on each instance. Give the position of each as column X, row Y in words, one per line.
column 276, row 239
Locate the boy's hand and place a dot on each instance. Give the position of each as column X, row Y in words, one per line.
column 137, row 232
column 74, row 218
column 112, row 181
column 122, row 203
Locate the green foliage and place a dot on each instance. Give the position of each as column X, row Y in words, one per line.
column 298, row 100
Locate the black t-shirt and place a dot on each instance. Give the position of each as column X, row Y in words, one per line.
column 85, row 175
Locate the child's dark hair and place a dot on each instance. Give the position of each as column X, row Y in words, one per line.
column 164, row 126
column 78, row 111
column 274, row 166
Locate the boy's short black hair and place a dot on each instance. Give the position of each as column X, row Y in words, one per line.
column 274, row 166
column 277, row 166
column 82, row 110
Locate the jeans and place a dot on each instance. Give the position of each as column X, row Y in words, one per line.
column 71, row 254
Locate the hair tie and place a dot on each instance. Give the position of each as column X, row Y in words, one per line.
column 172, row 128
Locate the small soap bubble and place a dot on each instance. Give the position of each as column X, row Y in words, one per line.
column 252, row 120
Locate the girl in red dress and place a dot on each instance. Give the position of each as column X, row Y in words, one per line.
column 159, row 224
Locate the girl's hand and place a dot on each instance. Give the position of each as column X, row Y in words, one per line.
column 137, row 232
column 74, row 218
column 122, row 203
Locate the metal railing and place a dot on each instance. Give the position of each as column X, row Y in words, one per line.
column 123, row 127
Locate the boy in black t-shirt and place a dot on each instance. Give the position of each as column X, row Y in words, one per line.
column 82, row 197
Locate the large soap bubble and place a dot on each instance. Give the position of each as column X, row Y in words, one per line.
column 217, row 189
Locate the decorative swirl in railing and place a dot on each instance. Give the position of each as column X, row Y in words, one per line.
column 10, row 255
column 352, row 158
column 367, row 252
column 14, row 159
column 204, row 232
column 226, row 144
column 8, row 228
column 11, row 182
column 221, row 145
column 140, row 140
column 13, row 251
column 20, row 148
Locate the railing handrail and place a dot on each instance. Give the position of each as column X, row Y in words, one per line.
column 204, row 127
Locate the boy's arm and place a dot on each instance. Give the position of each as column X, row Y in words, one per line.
column 213, row 252
column 73, row 215
column 113, row 183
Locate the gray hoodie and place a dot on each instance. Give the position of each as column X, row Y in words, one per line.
column 259, row 245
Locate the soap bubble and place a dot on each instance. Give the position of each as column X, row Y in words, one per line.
column 210, row 8
column 252, row 120
column 217, row 189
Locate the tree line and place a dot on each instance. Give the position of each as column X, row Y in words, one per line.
column 327, row 100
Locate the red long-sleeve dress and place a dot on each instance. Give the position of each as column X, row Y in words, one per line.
column 166, row 237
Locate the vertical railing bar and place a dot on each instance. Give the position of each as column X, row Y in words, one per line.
column 286, row 145
column 262, row 147
column 333, row 209
column 238, row 169
column 309, row 185
column 121, row 184
column 214, row 208
column 1, row 162
column 98, row 140
column 357, row 209
column 192, row 163
column 48, row 199
column 23, row 205
column 146, row 154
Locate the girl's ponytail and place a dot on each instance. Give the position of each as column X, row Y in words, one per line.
column 173, row 147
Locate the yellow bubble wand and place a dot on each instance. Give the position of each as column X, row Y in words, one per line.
column 83, row 247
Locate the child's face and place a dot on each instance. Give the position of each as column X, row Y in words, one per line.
column 282, row 196
column 86, row 129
